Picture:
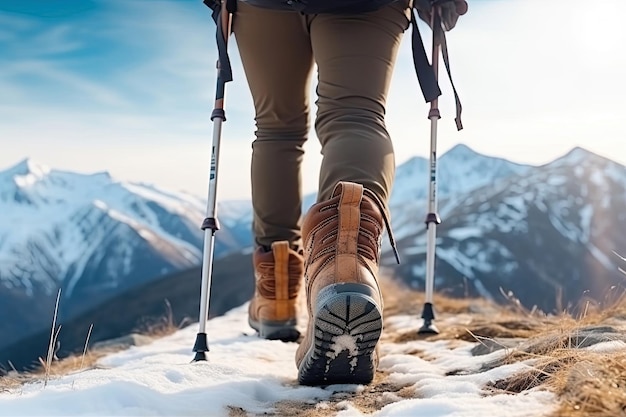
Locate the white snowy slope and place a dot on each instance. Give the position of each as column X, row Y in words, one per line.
column 258, row 377
column 63, row 229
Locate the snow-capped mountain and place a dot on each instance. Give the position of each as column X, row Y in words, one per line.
column 461, row 170
column 548, row 234
column 545, row 233
column 93, row 236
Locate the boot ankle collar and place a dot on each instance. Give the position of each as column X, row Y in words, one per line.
column 381, row 206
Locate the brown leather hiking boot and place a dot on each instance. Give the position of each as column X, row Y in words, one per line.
column 342, row 240
column 278, row 275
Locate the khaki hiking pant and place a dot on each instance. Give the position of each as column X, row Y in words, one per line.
column 355, row 56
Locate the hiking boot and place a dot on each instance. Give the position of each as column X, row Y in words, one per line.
column 278, row 275
column 342, row 241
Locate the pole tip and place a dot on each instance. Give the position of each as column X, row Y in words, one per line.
column 428, row 328
column 428, row 314
column 201, row 346
column 200, row 357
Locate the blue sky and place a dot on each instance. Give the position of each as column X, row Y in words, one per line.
column 127, row 86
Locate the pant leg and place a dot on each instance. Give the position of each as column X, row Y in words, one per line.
column 355, row 55
column 276, row 54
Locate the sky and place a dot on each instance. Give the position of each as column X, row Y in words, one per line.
column 244, row 371
column 128, row 86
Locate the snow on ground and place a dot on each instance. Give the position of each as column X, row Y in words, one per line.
column 246, row 373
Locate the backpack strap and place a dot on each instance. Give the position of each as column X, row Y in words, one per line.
column 425, row 73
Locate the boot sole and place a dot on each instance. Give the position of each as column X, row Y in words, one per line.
column 285, row 331
column 347, row 326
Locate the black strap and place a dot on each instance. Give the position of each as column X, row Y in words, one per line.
column 446, row 62
column 425, row 73
column 423, row 68
column 225, row 72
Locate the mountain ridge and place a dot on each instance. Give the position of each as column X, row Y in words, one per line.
column 556, row 221
column 119, row 235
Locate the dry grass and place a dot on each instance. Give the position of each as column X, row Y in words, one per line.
column 11, row 381
column 399, row 299
column 47, row 364
column 72, row 364
column 88, row 359
column 488, row 320
column 595, row 385
column 587, row 383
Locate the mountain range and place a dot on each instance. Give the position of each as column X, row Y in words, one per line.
column 544, row 235
column 548, row 236
column 93, row 237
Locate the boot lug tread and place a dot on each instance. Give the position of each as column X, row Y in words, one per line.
column 329, row 360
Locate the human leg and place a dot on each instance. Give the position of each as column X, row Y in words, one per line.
column 275, row 51
column 342, row 231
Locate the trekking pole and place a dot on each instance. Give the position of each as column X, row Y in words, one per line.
column 210, row 225
column 432, row 218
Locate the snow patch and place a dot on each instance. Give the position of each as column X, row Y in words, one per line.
column 340, row 343
column 248, row 373
column 462, row 233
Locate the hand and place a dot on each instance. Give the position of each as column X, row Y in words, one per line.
column 449, row 11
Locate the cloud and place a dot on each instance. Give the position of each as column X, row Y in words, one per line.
column 150, row 53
